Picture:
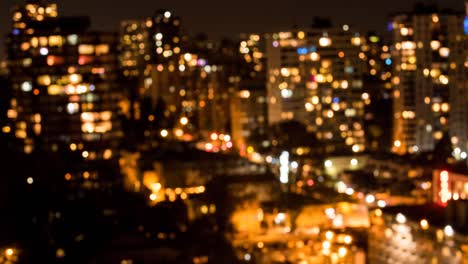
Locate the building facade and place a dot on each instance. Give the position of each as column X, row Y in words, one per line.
column 65, row 90
column 430, row 78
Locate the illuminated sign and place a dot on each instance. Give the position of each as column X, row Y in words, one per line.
column 444, row 193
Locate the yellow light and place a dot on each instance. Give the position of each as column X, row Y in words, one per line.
column 204, row 209
column 85, row 154
column 153, row 197
column 164, row 133
column 250, row 149
column 329, row 235
column 260, row 244
column 348, row 239
column 378, row 212
column 107, row 154
column 300, row 34
column 184, row 121
column 424, row 224
column 6, row 129
column 9, row 252
column 214, row 136
column 397, row 143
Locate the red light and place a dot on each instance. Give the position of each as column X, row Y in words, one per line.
column 310, row 182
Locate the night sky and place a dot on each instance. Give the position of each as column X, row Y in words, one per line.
column 220, row 18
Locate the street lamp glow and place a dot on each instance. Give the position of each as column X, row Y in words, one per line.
column 342, row 251
column 448, row 231
column 401, row 218
column 328, row 163
column 370, row 198
column 381, row 203
column 424, row 224
column 348, row 239
column 353, row 162
column 349, row 191
column 9, row 252
column 164, row 133
column 184, row 121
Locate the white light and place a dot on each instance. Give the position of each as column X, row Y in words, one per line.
column 381, row 203
column 158, row 36
column 286, row 93
column 72, row 108
column 400, row 218
column 345, row 27
column 328, row 163
column 72, row 39
column 26, row 86
column 463, row 155
column 44, row 51
column 284, row 167
column 269, row 159
column 370, row 198
column 294, row 165
column 353, row 162
column 167, row 14
column 280, row 217
column 349, row 191
column 30, row 180
column 184, row 121
column 330, row 212
column 325, row 41
column 164, row 133
column 448, row 230
column 355, row 148
column 341, row 187
column 247, row 257
column 284, row 157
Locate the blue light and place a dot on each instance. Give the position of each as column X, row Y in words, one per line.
column 336, row 100
column 16, row 32
column 388, row 61
column 313, row 49
column 465, row 25
column 390, row 26
column 301, row 51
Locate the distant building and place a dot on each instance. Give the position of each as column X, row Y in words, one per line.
column 249, row 109
column 65, row 86
column 430, row 79
column 315, row 76
column 416, row 234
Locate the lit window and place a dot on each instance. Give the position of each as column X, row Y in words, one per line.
column 102, row 49
column 55, row 41
column 86, row 49
column 73, row 108
column 72, row 39
column 44, row 80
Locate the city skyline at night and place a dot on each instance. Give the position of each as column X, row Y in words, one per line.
column 199, row 16
column 316, row 132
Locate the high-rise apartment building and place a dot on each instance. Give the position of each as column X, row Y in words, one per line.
column 65, row 88
column 315, row 76
column 430, row 80
column 249, row 104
